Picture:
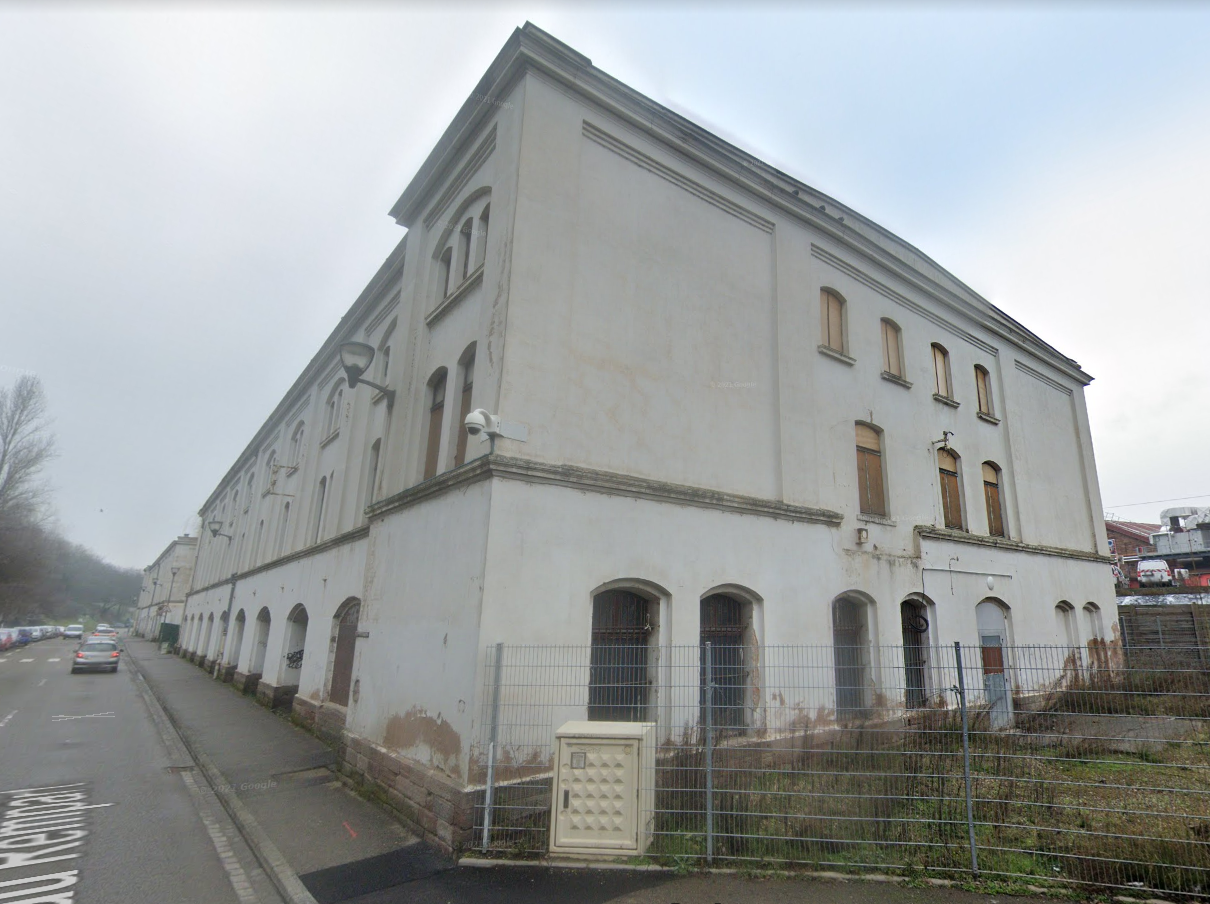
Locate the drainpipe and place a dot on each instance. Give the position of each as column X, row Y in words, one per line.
column 221, row 660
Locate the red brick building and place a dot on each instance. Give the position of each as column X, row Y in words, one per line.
column 1128, row 540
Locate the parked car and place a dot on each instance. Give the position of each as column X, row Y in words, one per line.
column 8, row 637
column 25, row 636
column 1155, row 573
column 75, row 631
column 96, row 656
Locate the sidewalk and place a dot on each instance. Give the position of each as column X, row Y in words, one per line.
column 344, row 849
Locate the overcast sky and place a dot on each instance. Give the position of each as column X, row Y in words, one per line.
column 192, row 196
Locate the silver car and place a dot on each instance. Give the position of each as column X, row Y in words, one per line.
column 95, row 655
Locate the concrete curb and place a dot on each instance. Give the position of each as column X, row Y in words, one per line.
column 284, row 878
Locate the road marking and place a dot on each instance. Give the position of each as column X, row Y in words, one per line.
column 42, row 682
column 55, row 659
column 350, row 828
column 27, row 660
column 89, row 716
column 5, row 659
column 4, row 721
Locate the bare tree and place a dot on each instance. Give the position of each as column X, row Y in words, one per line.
column 25, row 447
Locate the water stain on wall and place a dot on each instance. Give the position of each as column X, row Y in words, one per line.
column 416, row 728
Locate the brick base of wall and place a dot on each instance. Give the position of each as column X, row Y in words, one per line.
column 434, row 806
column 275, row 696
column 326, row 720
column 245, row 683
column 226, row 673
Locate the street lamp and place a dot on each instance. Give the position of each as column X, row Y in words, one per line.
column 355, row 358
column 216, row 530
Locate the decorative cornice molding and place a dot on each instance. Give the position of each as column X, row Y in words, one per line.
column 827, row 257
column 929, row 532
column 463, row 290
column 598, row 135
column 1042, row 378
column 604, row 482
column 463, row 175
column 349, row 536
column 383, row 313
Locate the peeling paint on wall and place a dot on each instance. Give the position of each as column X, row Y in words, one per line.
column 417, row 729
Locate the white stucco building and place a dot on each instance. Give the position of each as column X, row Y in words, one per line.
column 165, row 584
column 744, row 401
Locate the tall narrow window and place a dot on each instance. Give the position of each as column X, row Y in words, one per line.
column 282, row 528
column 722, row 625
column 384, row 372
column 333, row 411
column 436, row 409
column 618, row 673
column 468, row 382
column 464, row 246
column 372, row 471
column 831, row 312
column 991, row 493
column 951, row 495
column 481, row 244
column 319, row 509
column 444, row 272
column 892, row 349
column 984, row 389
column 1065, row 618
column 941, row 371
column 869, row 471
column 296, row 444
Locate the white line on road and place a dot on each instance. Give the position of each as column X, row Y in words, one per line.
column 89, row 716
column 42, row 682
column 4, row 721
column 27, row 660
column 55, row 659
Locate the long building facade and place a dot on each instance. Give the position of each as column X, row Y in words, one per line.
column 737, row 394
column 166, row 581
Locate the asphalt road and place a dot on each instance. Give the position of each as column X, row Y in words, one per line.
column 119, row 823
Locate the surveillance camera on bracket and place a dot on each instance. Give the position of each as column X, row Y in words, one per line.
column 485, row 424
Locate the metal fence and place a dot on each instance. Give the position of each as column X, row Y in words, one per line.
column 1050, row 764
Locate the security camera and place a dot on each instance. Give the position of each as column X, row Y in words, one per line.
column 479, row 421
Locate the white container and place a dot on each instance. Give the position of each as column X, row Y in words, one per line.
column 604, row 789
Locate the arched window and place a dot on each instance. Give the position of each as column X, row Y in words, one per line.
column 831, row 313
column 993, row 499
column 320, row 493
column 951, row 491
column 282, row 527
column 1092, row 620
column 384, row 368
column 983, row 387
column 467, row 368
column 481, row 244
column 1065, row 619
column 851, row 656
column 296, row 444
column 892, row 349
column 725, row 624
column 270, row 473
column 436, row 410
column 619, row 662
column 444, row 272
column 869, row 471
column 464, row 246
column 914, row 625
column 332, row 411
column 249, row 489
column 941, row 372
column 372, row 471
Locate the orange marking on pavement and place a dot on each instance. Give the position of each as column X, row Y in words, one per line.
column 350, row 828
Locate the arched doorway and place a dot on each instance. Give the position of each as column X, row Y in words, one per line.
column 345, row 630
column 914, row 623
column 851, row 656
column 991, row 616
column 260, row 642
column 296, row 639
column 205, row 648
column 237, row 641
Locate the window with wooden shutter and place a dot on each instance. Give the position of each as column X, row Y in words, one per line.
column 892, row 352
column 951, row 495
column 941, row 371
column 468, row 381
column 870, row 488
column 436, row 409
column 831, row 310
column 983, row 387
column 991, row 493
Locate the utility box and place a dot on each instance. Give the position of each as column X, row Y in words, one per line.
column 604, row 788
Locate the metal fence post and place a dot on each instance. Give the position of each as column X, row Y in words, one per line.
column 966, row 759
column 489, row 792
column 709, row 715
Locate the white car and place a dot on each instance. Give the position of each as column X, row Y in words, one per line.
column 76, row 631
column 1155, row 573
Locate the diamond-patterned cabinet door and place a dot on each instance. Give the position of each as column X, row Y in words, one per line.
column 597, row 802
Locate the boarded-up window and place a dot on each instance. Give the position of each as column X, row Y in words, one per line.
column 941, row 371
column 481, row 245
column 983, row 387
column 869, row 471
column 991, row 493
column 951, row 496
column 444, row 270
column 436, row 409
column 468, row 382
column 892, row 352
column 831, row 311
